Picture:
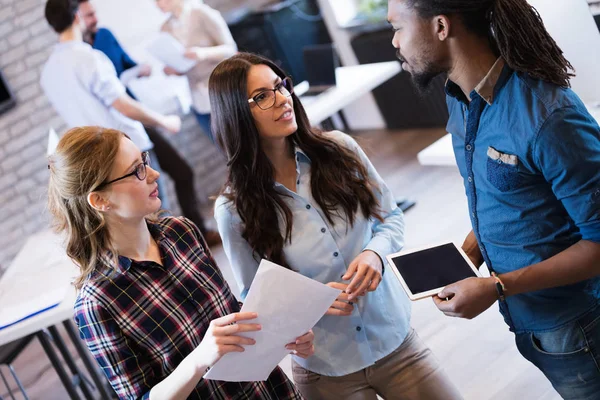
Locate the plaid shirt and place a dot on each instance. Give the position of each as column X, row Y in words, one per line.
column 140, row 319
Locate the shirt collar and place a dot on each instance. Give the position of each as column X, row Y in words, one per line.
column 300, row 154
column 107, row 265
column 486, row 88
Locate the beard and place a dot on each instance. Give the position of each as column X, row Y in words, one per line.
column 422, row 79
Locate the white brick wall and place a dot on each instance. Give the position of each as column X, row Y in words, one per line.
column 26, row 41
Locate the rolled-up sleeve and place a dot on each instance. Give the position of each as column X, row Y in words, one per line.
column 567, row 151
column 388, row 235
column 128, row 373
column 238, row 251
column 102, row 79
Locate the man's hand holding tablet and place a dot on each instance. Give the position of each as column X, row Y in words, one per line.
column 449, row 275
column 467, row 298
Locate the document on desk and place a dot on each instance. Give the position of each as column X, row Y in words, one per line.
column 171, row 52
column 25, row 292
column 288, row 305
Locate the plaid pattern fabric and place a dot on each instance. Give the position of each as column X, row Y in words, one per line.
column 140, row 319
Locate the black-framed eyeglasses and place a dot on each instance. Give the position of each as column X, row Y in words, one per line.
column 266, row 99
column 140, row 171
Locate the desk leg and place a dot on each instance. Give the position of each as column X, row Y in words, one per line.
column 345, row 127
column 328, row 125
column 62, row 374
column 98, row 378
column 62, row 347
column 12, row 396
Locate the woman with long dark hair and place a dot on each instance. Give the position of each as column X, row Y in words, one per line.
column 312, row 202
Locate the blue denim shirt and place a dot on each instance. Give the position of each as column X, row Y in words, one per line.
column 529, row 154
column 321, row 251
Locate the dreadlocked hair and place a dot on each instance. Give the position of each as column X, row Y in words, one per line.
column 516, row 33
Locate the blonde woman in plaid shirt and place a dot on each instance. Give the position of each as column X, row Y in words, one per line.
column 153, row 307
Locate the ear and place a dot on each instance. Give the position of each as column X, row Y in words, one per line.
column 98, row 201
column 442, row 27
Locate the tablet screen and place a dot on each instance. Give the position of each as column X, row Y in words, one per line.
column 433, row 268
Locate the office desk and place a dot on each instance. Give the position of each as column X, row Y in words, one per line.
column 40, row 251
column 441, row 153
column 352, row 83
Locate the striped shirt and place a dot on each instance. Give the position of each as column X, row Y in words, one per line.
column 140, row 319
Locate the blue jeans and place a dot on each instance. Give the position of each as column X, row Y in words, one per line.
column 569, row 356
column 204, row 122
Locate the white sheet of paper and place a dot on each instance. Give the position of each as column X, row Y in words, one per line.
column 52, row 141
column 25, row 292
column 130, row 74
column 170, row 51
column 288, row 305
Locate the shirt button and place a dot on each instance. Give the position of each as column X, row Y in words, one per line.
column 308, row 206
column 358, row 328
column 323, row 230
column 336, row 254
column 469, row 147
column 470, row 179
column 473, row 214
column 298, row 182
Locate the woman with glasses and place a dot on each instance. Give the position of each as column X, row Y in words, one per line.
column 312, row 202
column 152, row 305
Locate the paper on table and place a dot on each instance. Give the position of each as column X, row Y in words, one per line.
column 288, row 305
column 27, row 292
column 171, row 52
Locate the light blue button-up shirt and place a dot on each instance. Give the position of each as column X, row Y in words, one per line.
column 381, row 319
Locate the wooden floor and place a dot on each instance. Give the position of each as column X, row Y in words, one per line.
column 479, row 355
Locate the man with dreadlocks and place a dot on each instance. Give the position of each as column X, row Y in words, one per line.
column 529, row 154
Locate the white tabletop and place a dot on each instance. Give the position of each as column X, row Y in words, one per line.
column 442, row 153
column 352, row 83
column 28, row 272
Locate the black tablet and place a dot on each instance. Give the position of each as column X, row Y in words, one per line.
column 425, row 272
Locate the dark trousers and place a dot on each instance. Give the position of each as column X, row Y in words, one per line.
column 204, row 122
column 181, row 172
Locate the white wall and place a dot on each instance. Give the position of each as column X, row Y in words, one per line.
column 572, row 26
column 132, row 21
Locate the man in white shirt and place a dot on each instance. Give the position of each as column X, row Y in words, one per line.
column 82, row 85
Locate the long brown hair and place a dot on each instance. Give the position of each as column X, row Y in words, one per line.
column 515, row 31
column 82, row 161
column 339, row 181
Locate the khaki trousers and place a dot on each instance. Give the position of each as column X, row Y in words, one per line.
column 411, row 372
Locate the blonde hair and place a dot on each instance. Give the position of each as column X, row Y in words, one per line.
column 83, row 160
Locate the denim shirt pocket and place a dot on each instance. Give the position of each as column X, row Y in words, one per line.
column 503, row 170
